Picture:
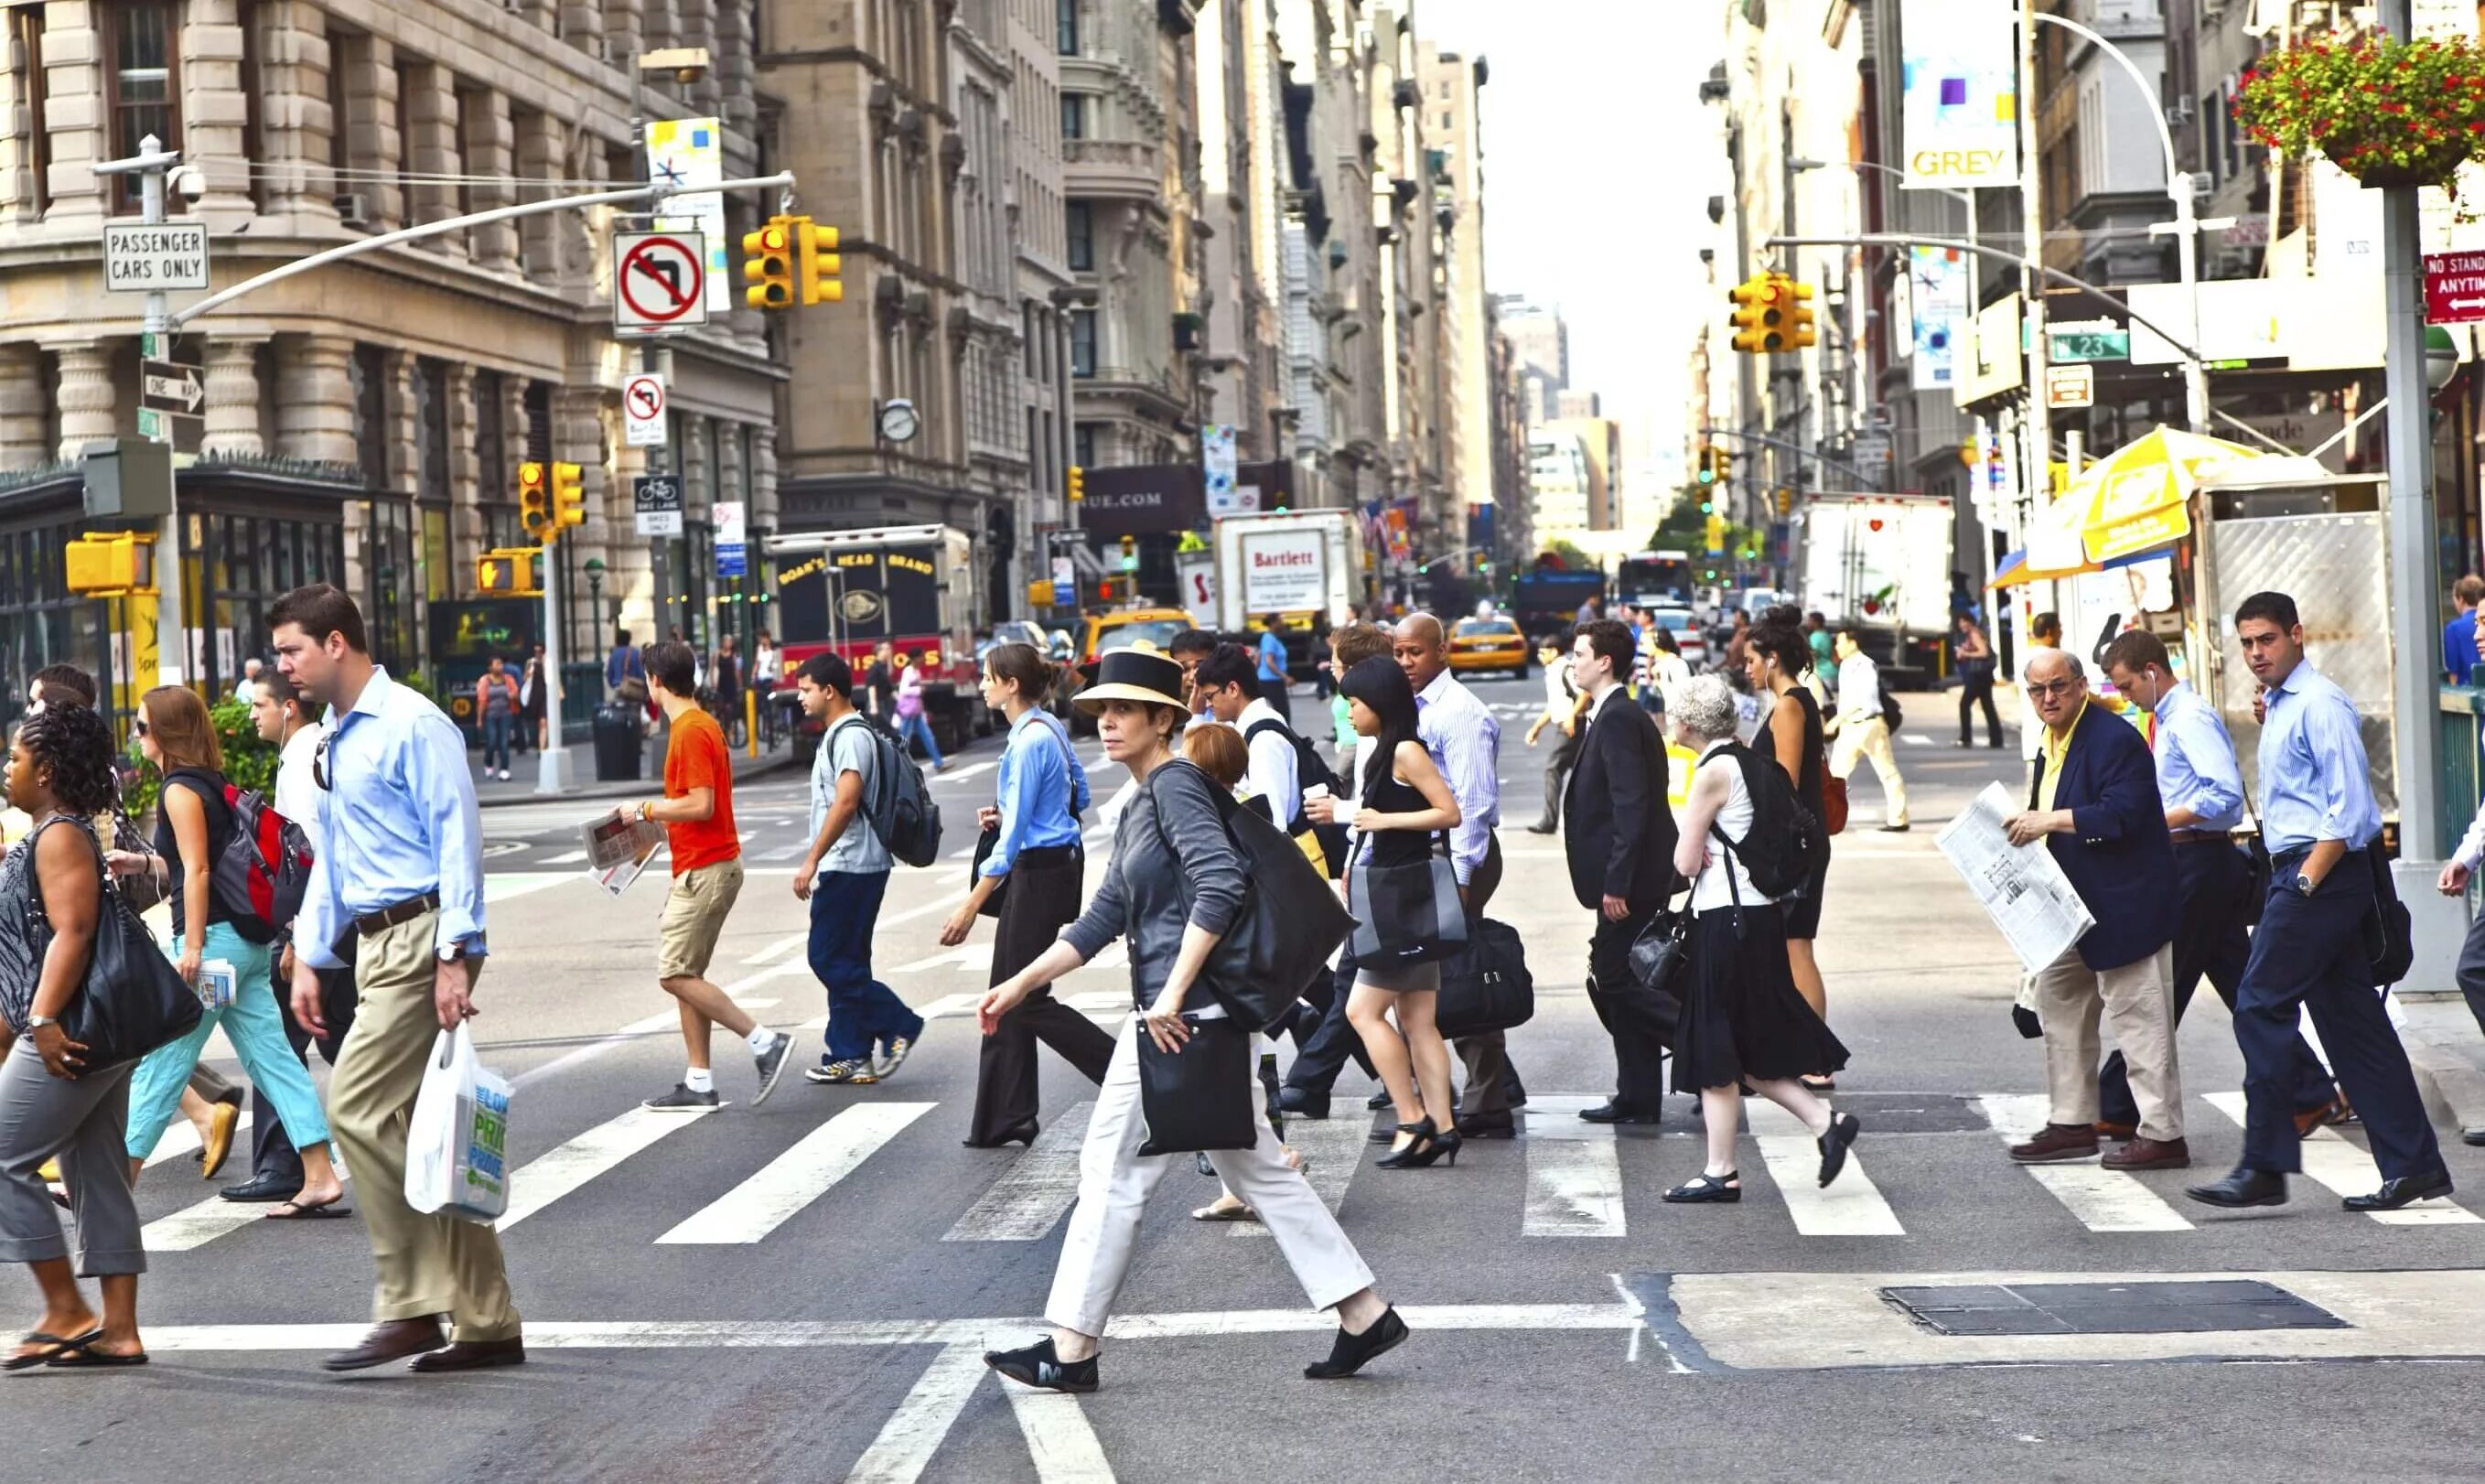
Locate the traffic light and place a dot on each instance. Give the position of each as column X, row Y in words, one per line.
column 1800, row 331
column 1707, row 471
column 1130, row 554
column 817, row 262
column 1725, row 465
column 534, row 500
column 569, row 496
column 767, row 264
column 1786, row 502
column 1077, row 483
column 119, row 562
column 1717, row 535
column 1758, row 314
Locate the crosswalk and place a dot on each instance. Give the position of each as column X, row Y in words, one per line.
column 1575, row 1180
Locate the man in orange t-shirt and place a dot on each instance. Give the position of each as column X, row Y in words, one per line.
column 697, row 812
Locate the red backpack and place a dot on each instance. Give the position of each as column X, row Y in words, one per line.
column 263, row 873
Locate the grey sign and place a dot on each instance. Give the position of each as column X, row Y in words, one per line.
column 657, row 499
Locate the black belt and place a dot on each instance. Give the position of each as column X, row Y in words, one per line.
column 406, row 911
column 1047, row 854
column 2199, row 837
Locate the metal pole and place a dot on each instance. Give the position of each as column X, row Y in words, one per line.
column 172, row 657
column 2037, row 480
column 553, row 757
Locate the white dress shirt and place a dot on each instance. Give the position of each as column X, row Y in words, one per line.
column 1465, row 743
column 1274, row 775
column 1859, row 689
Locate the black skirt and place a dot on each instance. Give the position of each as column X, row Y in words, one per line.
column 1803, row 913
column 1742, row 1016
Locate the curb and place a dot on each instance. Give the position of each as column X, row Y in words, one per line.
column 2439, row 1037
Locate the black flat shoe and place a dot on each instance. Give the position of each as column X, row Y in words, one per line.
column 1489, row 1126
column 1612, row 1111
column 1541, row 829
column 1354, row 1352
column 2403, row 1190
column 1302, row 1102
column 1021, row 1133
column 2246, row 1187
column 1842, row 1130
column 263, row 1188
column 1377, row 1101
column 1707, row 1190
column 1038, row 1365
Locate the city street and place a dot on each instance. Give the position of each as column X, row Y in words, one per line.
column 803, row 1291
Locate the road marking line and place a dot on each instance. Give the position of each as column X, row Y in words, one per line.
column 1335, row 1147
column 2348, row 1170
column 1574, row 1173
column 789, row 853
column 964, row 956
column 2102, row 1199
column 1037, row 1188
column 921, row 1423
column 1915, row 739
column 961, row 775
column 501, row 886
column 797, row 1177
column 198, row 1226
column 1853, row 1207
column 548, row 1177
column 781, row 947
column 1064, row 1447
column 566, row 858
column 181, row 1135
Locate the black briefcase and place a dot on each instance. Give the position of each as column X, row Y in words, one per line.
column 1485, row 985
column 1198, row 1098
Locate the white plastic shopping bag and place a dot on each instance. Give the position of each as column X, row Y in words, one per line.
column 457, row 1144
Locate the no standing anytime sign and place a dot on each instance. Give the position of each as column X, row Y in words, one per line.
column 2454, row 287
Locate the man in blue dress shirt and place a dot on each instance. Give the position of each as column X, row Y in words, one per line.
column 2318, row 816
column 400, row 875
column 2201, row 787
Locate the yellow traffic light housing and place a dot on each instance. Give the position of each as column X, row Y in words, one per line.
column 767, row 264
column 1800, row 331
column 1707, row 471
column 534, row 500
column 569, row 496
column 1786, row 502
column 1130, row 554
column 111, row 563
column 1757, row 316
column 1077, row 483
column 817, row 262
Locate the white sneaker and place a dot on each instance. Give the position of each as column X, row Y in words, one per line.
column 504, row 774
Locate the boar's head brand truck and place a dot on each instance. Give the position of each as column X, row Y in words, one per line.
column 1299, row 565
column 1880, row 565
column 912, row 587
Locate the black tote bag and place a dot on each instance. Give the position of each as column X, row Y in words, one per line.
column 133, row 1000
column 1198, row 1098
column 1407, row 914
column 1290, row 921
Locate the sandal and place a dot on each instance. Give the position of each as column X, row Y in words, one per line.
column 58, row 1346
column 81, row 1355
column 1818, row 1084
column 317, row 1211
column 1218, row 1211
column 1707, row 1190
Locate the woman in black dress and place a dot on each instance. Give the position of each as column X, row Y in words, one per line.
column 1742, row 1020
column 1775, row 659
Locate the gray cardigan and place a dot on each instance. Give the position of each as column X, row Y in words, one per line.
column 1151, row 893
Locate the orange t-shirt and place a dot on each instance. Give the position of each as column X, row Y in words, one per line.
column 696, row 759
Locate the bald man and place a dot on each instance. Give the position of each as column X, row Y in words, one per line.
column 2097, row 806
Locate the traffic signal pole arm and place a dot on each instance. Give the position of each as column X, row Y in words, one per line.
column 1797, row 450
column 782, row 180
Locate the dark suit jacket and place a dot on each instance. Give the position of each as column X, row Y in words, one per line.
column 1620, row 841
column 2118, row 856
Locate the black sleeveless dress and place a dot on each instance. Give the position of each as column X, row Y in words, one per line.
column 1802, row 912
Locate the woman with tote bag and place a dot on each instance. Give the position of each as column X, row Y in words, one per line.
column 1405, row 807
column 1175, row 887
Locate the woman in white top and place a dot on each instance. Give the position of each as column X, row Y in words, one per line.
column 1744, row 1021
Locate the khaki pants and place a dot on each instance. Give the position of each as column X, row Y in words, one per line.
column 1869, row 740
column 2138, row 1000
column 427, row 1264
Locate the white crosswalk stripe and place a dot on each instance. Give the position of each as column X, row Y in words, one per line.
column 545, row 1179
column 1574, row 1173
column 2348, row 1170
column 797, row 1177
column 2103, row 1200
column 1035, row 1191
column 1852, row 1207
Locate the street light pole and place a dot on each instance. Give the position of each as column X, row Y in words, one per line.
column 150, row 164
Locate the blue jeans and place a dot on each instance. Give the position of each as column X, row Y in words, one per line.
column 496, row 741
column 918, row 729
column 258, row 1036
column 863, row 1011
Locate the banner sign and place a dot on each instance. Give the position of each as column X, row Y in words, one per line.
column 1958, row 106
column 1937, row 290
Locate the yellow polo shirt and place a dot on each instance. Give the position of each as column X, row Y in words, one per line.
column 2054, row 750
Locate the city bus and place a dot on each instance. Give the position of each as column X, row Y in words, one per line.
column 1653, row 578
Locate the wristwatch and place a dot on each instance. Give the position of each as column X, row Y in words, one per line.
column 35, row 1023
column 2304, row 886
column 452, row 953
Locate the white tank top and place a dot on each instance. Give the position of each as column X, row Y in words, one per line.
column 1709, row 889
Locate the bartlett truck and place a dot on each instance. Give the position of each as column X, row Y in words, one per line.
column 1880, row 565
column 1299, row 565
column 912, row 587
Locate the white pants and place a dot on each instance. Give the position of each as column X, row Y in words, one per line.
column 1868, row 741
column 1114, row 1184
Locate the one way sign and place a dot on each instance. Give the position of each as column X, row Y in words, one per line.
column 166, row 386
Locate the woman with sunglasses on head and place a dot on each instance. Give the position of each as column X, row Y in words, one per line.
column 53, row 1103
column 1039, row 855
column 1175, row 888
column 194, row 825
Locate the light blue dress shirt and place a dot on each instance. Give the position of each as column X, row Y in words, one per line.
column 1465, row 744
column 2196, row 761
column 1042, row 792
column 401, row 822
column 2315, row 783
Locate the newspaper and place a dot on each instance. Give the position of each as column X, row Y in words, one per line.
column 619, row 847
column 2026, row 892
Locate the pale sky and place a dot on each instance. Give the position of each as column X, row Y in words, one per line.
column 1599, row 159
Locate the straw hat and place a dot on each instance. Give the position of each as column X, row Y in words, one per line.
column 1138, row 673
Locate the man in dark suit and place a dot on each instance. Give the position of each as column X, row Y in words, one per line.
column 1621, row 850
column 2097, row 808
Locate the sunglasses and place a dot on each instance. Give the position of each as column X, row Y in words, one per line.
column 319, row 764
column 138, row 728
column 2056, row 688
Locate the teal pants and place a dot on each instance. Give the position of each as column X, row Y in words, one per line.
column 257, row 1031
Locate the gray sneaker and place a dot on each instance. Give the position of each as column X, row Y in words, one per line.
column 770, row 1064
column 854, row 1071
column 899, row 1047
column 683, row 1100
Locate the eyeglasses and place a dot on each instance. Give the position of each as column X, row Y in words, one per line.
column 2054, row 688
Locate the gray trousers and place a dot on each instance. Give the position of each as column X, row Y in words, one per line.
column 84, row 1122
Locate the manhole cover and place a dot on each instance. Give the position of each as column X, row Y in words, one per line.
column 2174, row 1308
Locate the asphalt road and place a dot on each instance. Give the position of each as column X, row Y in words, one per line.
column 801, row 1291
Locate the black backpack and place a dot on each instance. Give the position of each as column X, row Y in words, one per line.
column 1786, row 843
column 899, row 807
column 1310, row 770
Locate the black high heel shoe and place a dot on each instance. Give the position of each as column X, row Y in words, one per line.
column 1023, row 1131
column 1420, row 1137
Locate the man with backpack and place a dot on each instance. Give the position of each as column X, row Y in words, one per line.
column 1227, row 681
column 1861, row 728
column 870, row 1030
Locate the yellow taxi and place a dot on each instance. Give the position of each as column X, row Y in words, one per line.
column 1156, row 626
column 1488, row 643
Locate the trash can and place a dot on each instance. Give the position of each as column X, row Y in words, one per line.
column 617, row 750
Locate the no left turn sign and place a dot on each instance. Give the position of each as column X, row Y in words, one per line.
column 659, row 280
column 642, row 411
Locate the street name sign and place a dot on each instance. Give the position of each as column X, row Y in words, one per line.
column 659, row 281
column 656, row 501
column 141, row 258
column 2454, row 287
column 642, row 411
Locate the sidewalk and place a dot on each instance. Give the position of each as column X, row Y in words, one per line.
column 582, row 785
column 2447, row 1052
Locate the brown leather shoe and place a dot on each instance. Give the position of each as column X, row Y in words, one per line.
column 393, row 1341
column 2117, row 1132
column 2334, row 1111
column 2058, row 1142
column 473, row 1355
column 2140, row 1153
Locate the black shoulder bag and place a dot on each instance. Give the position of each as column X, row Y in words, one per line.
column 133, row 1000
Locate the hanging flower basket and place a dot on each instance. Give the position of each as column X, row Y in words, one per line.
column 2386, row 112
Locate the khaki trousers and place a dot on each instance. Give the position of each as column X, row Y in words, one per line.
column 427, row 1264
column 2138, row 1000
column 1870, row 741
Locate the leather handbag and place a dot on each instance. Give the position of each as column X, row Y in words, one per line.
column 1198, row 1098
column 1407, row 914
column 1289, row 923
column 133, row 1000
column 1485, row 985
column 1833, row 803
column 1657, row 960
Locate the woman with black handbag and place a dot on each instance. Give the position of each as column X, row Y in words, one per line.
column 1031, row 859
column 53, row 903
column 1175, row 887
column 1744, row 1021
column 1406, row 806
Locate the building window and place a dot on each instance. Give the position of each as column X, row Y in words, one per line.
column 141, row 41
column 1074, row 115
column 1080, row 227
column 1065, row 27
column 26, row 32
column 371, row 432
column 1083, row 343
column 1082, row 446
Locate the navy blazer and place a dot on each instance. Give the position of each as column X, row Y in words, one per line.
column 2117, row 855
